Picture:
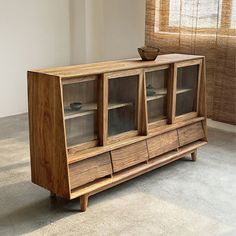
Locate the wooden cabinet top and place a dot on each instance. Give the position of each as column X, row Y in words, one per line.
column 110, row 66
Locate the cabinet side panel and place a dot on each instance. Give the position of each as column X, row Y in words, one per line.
column 202, row 99
column 47, row 138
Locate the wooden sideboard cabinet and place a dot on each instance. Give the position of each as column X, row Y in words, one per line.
column 134, row 117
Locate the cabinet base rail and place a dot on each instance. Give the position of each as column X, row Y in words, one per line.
column 85, row 192
column 84, row 198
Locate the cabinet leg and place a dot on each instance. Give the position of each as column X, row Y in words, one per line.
column 53, row 195
column 194, row 155
column 83, row 203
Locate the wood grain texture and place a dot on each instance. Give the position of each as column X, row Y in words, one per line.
column 197, row 101
column 190, row 133
column 202, row 99
column 76, row 80
column 187, row 116
column 194, row 155
column 136, row 171
column 195, row 112
column 75, row 155
column 122, row 136
column 173, row 87
column 162, row 143
column 82, row 146
column 47, row 137
column 89, row 170
column 102, row 110
column 123, row 73
column 125, row 157
column 144, row 111
column 124, row 86
column 151, row 69
column 84, row 202
column 112, row 66
column 202, row 109
column 171, row 96
column 188, row 63
column 140, row 105
column 120, row 157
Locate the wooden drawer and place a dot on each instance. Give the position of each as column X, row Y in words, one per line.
column 190, row 133
column 162, row 143
column 89, row 170
column 125, row 157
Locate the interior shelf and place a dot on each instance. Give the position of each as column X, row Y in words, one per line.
column 87, row 109
column 159, row 118
column 73, row 141
column 160, row 93
column 90, row 108
column 155, row 97
column 179, row 91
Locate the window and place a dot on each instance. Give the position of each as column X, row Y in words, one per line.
column 204, row 16
column 233, row 15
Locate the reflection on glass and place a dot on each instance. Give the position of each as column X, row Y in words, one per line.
column 122, row 104
column 186, row 94
column 156, row 82
column 80, row 108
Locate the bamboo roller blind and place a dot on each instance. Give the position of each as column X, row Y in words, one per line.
column 204, row 27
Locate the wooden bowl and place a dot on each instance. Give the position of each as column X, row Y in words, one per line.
column 148, row 53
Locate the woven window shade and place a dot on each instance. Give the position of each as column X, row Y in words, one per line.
column 204, row 27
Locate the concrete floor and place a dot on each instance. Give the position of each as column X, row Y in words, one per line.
column 183, row 198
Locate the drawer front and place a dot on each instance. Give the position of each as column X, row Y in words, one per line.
column 89, row 170
column 125, row 157
column 190, row 133
column 162, row 143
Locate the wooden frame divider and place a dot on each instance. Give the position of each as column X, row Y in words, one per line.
column 191, row 114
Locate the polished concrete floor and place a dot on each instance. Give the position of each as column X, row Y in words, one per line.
column 183, row 198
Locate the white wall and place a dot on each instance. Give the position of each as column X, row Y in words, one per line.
column 112, row 29
column 33, row 34
column 45, row 33
column 78, row 31
column 124, row 28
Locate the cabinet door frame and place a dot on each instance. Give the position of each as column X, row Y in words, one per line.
column 105, row 139
column 78, row 80
column 168, row 95
column 193, row 114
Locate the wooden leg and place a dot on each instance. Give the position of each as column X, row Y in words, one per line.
column 194, row 155
column 53, row 195
column 83, row 202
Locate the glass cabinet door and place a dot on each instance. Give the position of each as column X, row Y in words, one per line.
column 156, row 94
column 80, row 111
column 122, row 104
column 187, row 89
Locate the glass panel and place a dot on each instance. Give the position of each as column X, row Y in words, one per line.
column 80, row 107
column 122, row 104
column 156, row 91
column 186, row 94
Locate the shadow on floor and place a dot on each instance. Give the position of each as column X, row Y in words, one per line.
column 29, row 207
